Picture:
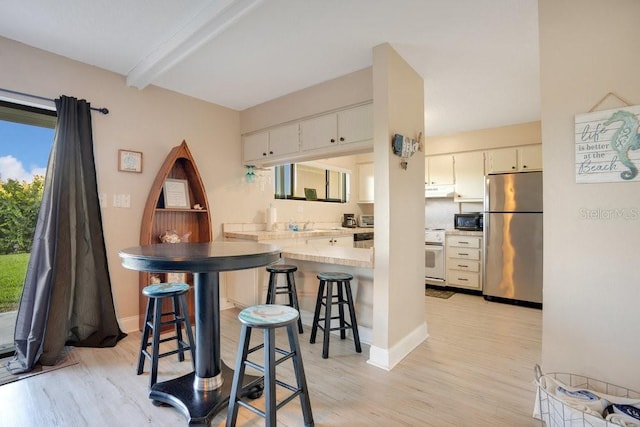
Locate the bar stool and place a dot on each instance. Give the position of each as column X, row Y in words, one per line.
column 156, row 293
column 289, row 288
column 343, row 289
column 268, row 317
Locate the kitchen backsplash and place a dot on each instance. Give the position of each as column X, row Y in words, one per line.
column 438, row 213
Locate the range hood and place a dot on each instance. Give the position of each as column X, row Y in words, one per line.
column 439, row 191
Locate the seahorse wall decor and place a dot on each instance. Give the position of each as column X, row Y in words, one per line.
column 625, row 138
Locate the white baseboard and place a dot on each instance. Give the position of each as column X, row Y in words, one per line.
column 129, row 324
column 388, row 358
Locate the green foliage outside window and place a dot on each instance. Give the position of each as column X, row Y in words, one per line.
column 19, row 206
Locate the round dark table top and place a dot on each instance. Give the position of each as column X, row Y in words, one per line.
column 199, row 257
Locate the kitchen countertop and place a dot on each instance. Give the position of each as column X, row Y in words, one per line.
column 339, row 255
column 286, row 234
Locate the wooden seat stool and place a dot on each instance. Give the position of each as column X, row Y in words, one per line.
column 288, row 288
column 153, row 324
column 268, row 317
column 341, row 298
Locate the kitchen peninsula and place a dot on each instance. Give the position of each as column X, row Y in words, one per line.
column 312, row 252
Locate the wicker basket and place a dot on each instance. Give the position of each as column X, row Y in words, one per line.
column 553, row 412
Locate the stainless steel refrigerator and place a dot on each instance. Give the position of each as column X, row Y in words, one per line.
column 513, row 237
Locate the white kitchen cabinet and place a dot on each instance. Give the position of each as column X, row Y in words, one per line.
column 530, row 157
column 242, row 287
column 438, row 170
column 341, row 128
column 464, row 262
column 515, row 159
column 469, row 176
column 365, row 183
column 277, row 142
column 344, row 241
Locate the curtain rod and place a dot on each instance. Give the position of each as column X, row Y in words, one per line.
column 102, row 110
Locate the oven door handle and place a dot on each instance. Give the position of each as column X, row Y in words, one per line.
column 436, row 248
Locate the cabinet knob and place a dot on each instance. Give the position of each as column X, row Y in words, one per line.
column 333, row 140
column 270, row 152
column 513, row 167
column 264, row 154
column 524, row 166
column 342, row 138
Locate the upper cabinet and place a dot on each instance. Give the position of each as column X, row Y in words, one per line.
column 351, row 126
column 530, row 157
column 365, row 183
column 469, row 176
column 272, row 144
column 348, row 131
column 516, row 159
column 438, row 170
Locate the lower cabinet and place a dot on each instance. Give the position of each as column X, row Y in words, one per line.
column 249, row 287
column 464, row 262
column 344, row 241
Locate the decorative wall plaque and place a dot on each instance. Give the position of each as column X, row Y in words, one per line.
column 608, row 145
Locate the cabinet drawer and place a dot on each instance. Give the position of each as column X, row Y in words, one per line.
column 464, row 241
column 463, row 253
column 463, row 265
column 463, row 278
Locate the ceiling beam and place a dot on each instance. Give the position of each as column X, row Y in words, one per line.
column 211, row 21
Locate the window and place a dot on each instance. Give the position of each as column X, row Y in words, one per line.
column 311, row 181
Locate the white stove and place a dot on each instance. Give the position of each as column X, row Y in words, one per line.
column 434, row 236
column 434, row 269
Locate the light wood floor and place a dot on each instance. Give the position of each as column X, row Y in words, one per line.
column 476, row 369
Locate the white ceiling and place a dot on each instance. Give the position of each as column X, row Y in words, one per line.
column 479, row 58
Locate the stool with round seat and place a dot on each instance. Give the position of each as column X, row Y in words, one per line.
column 288, row 288
column 153, row 324
column 268, row 317
column 341, row 298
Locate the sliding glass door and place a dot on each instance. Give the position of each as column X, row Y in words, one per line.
column 26, row 137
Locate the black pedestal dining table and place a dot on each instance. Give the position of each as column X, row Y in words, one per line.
column 200, row 395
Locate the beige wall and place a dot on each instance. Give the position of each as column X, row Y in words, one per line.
column 353, row 88
column 504, row 136
column 591, row 288
column 152, row 121
column 398, row 302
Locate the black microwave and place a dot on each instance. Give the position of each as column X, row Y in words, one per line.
column 471, row 221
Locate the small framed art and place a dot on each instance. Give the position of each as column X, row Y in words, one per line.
column 176, row 194
column 129, row 161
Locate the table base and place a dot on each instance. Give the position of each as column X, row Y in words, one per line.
column 198, row 407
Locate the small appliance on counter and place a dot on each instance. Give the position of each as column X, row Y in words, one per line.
column 349, row 221
column 366, row 221
column 470, row 221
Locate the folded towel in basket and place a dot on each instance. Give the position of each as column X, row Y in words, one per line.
column 624, row 415
column 581, row 399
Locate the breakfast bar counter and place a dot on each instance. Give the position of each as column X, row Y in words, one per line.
column 336, row 255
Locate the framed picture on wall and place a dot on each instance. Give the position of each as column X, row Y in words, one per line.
column 129, row 161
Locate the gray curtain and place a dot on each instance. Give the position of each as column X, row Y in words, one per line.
column 66, row 299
